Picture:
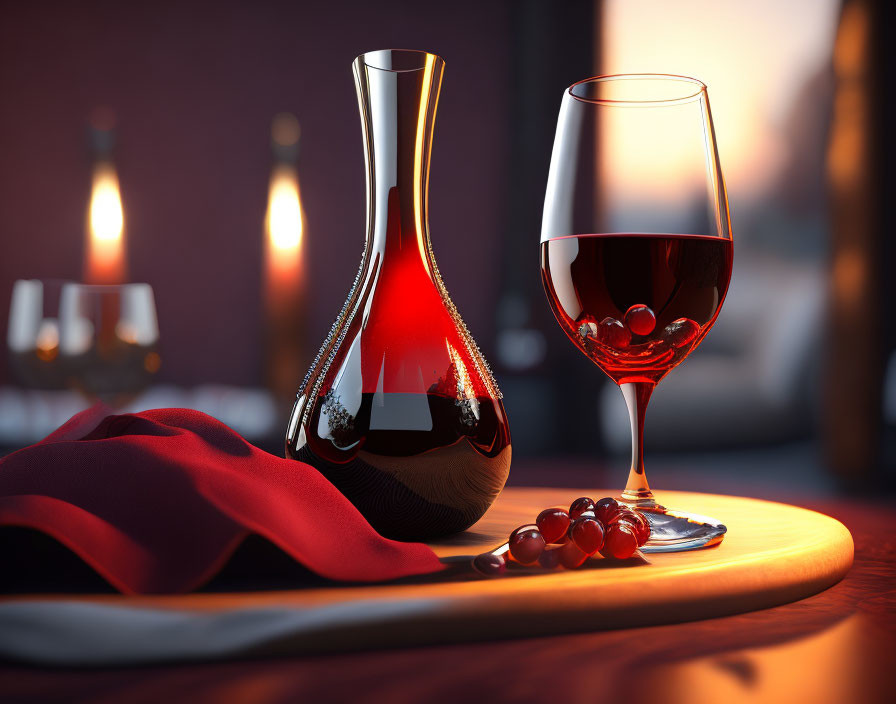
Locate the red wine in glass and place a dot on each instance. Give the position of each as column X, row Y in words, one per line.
column 636, row 304
column 636, row 249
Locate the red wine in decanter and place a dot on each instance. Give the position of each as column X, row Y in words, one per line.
column 399, row 409
column 407, row 421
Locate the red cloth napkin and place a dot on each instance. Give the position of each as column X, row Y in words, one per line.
column 157, row 502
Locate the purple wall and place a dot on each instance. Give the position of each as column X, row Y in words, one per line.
column 194, row 90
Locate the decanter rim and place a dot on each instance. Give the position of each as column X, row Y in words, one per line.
column 410, row 60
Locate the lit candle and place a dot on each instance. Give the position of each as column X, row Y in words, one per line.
column 284, row 264
column 284, row 226
column 105, row 261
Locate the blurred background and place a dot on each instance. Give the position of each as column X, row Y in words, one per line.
column 213, row 151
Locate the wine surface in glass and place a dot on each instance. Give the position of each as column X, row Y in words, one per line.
column 636, row 304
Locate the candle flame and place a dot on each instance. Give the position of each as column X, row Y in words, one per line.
column 46, row 346
column 106, row 215
column 105, row 241
column 284, row 216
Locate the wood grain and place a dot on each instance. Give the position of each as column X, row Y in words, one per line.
column 773, row 554
column 856, row 618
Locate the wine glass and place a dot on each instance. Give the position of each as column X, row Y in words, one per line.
column 108, row 339
column 636, row 248
column 32, row 336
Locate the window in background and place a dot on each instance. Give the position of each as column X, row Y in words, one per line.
column 768, row 69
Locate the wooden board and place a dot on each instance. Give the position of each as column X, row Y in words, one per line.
column 773, row 553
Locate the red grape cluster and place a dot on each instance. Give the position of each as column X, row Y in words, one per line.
column 568, row 538
column 639, row 320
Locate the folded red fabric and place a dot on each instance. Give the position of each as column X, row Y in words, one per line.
column 157, row 502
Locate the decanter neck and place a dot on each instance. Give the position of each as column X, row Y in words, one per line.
column 398, row 93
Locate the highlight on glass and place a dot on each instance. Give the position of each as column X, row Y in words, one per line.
column 636, row 248
column 399, row 409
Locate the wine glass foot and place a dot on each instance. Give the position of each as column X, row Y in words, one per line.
column 676, row 531
column 639, row 498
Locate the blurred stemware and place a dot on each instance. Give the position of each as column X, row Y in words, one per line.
column 108, row 339
column 101, row 340
column 32, row 336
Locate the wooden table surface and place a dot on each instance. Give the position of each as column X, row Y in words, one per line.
column 835, row 646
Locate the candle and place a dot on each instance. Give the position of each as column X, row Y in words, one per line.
column 105, row 261
column 105, row 242
column 99, row 339
column 284, row 228
column 284, row 265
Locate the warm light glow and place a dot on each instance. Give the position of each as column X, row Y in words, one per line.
column 766, row 673
column 105, row 241
column 126, row 332
column 634, row 137
column 152, row 362
column 284, row 216
column 755, row 59
column 419, row 185
column 106, row 216
column 284, row 234
column 284, row 265
column 285, row 130
column 47, row 343
column 848, row 139
column 465, row 388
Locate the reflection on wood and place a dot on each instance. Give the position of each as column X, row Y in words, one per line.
column 773, row 554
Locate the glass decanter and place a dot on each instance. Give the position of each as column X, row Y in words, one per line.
column 399, row 408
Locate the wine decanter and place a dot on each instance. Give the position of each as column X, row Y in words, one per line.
column 399, row 408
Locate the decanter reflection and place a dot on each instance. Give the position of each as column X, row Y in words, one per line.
column 399, row 409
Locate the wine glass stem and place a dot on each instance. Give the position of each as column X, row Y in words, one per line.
column 637, row 395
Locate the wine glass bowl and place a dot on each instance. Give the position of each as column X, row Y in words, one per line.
column 655, row 298
column 109, row 339
column 636, row 247
column 100, row 340
column 32, row 335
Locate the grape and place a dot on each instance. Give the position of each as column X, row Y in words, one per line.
column 571, row 556
column 613, row 334
column 490, row 564
column 640, row 319
column 681, row 332
column 587, row 327
column 620, row 541
column 579, row 506
column 526, row 544
column 613, row 529
column 643, row 534
column 550, row 558
column 624, row 514
column 637, row 521
column 553, row 524
column 605, row 510
column 587, row 534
